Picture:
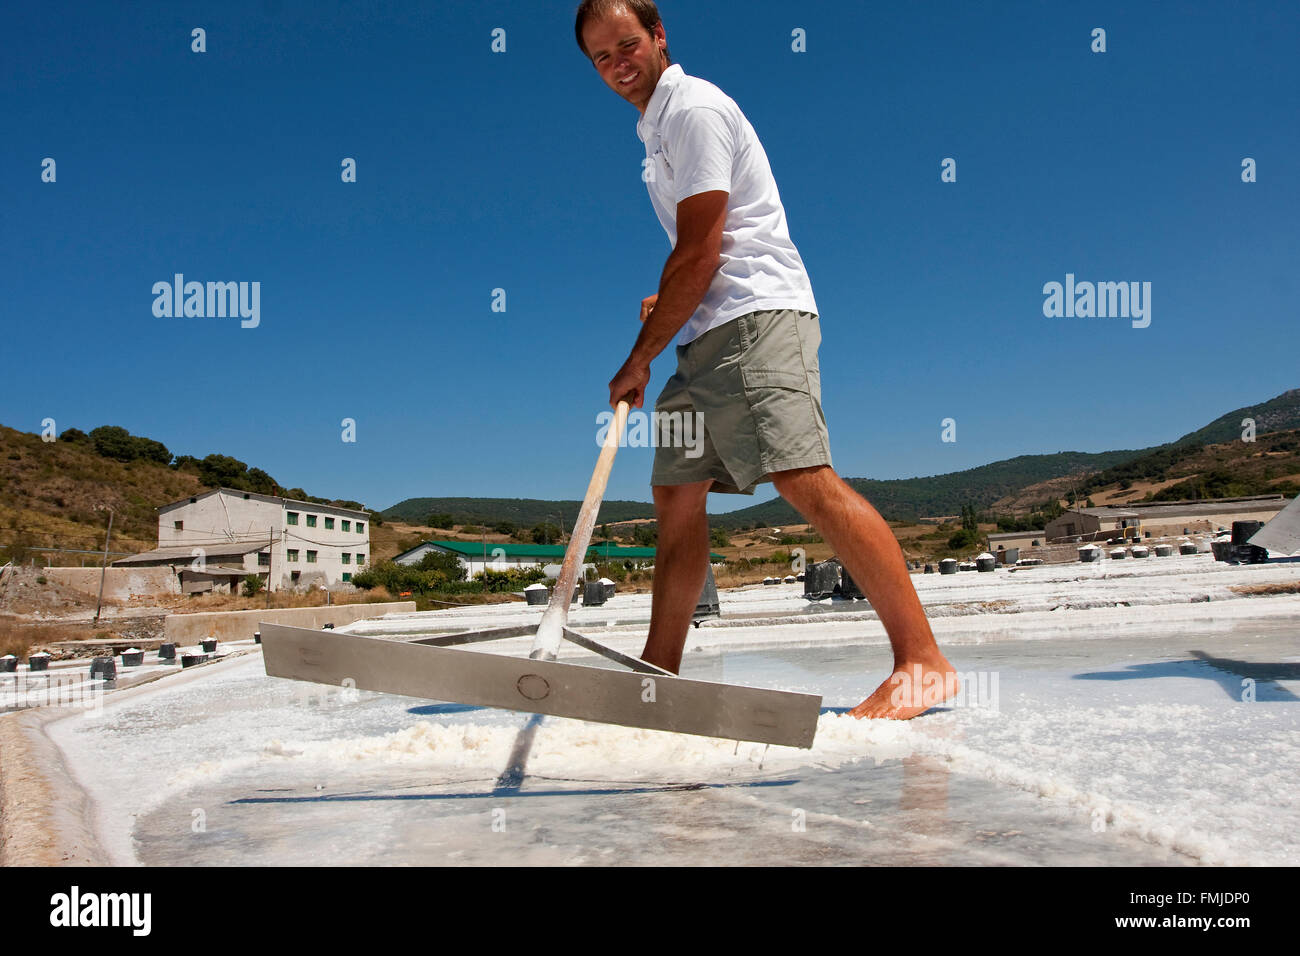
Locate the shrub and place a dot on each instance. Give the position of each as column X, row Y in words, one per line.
column 510, row 579
column 546, row 532
column 438, row 575
column 963, row 540
column 252, row 585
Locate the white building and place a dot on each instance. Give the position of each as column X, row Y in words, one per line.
column 292, row 543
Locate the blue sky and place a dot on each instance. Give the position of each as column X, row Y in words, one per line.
column 521, row 170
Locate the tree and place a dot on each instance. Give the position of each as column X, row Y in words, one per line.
column 75, row 435
column 222, row 470
column 448, row 565
column 252, row 585
column 440, row 520
column 113, row 441
column 149, row 450
column 963, row 539
column 260, row 482
column 546, row 533
column 718, row 538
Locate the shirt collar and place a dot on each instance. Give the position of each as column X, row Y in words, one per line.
column 649, row 122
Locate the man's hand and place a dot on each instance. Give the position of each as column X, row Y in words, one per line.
column 648, row 306
column 630, row 383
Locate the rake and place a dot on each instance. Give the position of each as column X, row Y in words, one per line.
column 643, row 695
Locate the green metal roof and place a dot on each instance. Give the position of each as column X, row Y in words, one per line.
column 612, row 552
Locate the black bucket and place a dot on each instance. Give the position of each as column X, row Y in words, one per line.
column 821, row 580
column 1242, row 530
column 103, row 667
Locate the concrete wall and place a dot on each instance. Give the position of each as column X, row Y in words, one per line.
column 120, row 584
column 240, row 625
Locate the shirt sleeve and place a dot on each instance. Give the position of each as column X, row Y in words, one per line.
column 703, row 148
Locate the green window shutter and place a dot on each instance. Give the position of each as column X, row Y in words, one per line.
column 291, row 517
column 329, row 524
column 311, row 521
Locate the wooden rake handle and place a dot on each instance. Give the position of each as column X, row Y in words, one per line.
column 550, row 630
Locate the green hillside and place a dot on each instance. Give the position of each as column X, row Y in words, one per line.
column 1276, row 415
column 524, row 512
column 907, row 499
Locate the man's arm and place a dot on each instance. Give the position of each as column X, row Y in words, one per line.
column 686, row 278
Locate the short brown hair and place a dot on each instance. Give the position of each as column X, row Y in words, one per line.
column 645, row 11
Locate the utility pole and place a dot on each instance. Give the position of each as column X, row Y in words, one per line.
column 270, row 547
column 103, row 568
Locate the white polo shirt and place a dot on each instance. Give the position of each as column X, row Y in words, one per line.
column 700, row 141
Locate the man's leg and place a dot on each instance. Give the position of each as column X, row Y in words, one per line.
column 681, row 566
column 922, row 676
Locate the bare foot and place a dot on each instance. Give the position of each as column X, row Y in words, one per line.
column 913, row 688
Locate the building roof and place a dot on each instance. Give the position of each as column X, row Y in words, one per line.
column 1005, row 535
column 273, row 499
column 475, row 549
column 216, row 571
column 1156, row 509
column 185, row 553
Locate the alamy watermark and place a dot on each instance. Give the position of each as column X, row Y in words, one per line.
column 657, row 430
column 43, row 689
column 212, row 300
column 124, row 910
column 1102, row 300
column 916, row 687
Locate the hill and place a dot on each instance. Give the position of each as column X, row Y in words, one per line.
column 524, row 512
column 908, row 499
column 1018, row 485
column 1276, row 415
column 57, row 494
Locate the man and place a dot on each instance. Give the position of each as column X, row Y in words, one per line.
column 735, row 293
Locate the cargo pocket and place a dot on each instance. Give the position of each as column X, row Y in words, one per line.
column 786, row 416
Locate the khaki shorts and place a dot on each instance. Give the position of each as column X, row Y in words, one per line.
column 755, row 387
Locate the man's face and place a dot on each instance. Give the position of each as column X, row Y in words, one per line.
column 628, row 58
